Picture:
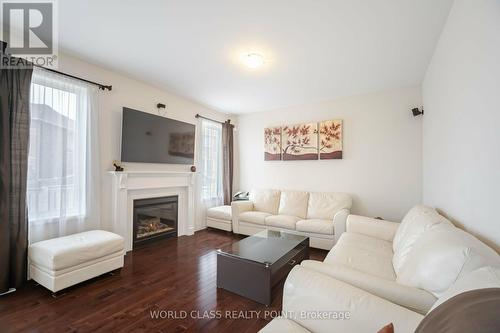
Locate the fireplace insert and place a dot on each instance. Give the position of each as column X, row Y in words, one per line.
column 154, row 219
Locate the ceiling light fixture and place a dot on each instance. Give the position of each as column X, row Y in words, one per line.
column 252, row 60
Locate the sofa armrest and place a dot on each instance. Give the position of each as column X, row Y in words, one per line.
column 412, row 298
column 339, row 222
column 380, row 229
column 343, row 308
column 238, row 207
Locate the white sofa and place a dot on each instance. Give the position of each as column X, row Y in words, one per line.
column 409, row 263
column 320, row 216
column 386, row 272
column 314, row 302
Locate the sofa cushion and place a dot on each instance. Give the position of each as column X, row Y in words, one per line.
column 266, row 201
column 68, row 251
column 414, row 299
column 293, row 203
column 442, row 255
column 282, row 221
column 316, row 226
column 418, row 220
column 254, row 217
column 485, row 277
column 324, row 206
column 220, row 213
column 307, row 291
column 363, row 253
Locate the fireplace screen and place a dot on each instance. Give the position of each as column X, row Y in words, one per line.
column 155, row 218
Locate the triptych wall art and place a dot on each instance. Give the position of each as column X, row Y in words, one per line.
column 308, row 141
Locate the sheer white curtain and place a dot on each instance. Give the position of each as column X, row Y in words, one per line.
column 63, row 162
column 209, row 167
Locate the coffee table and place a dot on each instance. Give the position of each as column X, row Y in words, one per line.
column 252, row 266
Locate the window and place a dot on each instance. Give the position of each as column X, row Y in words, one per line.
column 60, row 159
column 211, row 161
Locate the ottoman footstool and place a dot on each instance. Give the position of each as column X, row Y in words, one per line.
column 61, row 262
column 220, row 218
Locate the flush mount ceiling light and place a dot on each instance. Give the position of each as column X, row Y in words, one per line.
column 252, row 60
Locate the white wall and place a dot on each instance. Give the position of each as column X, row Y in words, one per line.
column 382, row 152
column 461, row 130
column 136, row 95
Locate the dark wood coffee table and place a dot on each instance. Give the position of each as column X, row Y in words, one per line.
column 252, row 266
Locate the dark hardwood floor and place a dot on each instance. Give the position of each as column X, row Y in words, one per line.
column 176, row 275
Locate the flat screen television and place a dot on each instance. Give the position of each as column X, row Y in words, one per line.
column 149, row 138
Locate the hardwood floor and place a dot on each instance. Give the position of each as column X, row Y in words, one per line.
column 176, row 275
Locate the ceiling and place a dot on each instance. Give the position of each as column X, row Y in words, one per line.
column 314, row 50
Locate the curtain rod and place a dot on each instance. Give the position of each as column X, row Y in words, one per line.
column 101, row 86
column 220, row 122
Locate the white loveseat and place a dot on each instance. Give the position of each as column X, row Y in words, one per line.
column 387, row 272
column 320, row 216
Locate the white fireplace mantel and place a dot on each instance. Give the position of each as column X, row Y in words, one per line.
column 128, row 186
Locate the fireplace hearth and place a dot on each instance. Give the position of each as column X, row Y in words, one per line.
column 154, row 219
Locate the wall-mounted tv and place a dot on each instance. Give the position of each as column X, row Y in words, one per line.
column 149, row 138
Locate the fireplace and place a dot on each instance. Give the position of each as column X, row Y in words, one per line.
column 154, row 219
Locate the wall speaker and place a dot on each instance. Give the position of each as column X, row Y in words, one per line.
column 416, row 112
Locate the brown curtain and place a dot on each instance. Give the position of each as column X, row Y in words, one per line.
column 14, row 144
column 227, row 161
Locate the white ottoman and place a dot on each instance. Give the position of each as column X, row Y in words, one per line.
column 220, row 218
column 61, row 262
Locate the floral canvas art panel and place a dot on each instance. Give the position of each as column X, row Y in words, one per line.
column 272, row 144
column 300, row 142
column 330, row 139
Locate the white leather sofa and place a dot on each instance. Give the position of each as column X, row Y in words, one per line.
column 320, row 216
column 411, row 263
column 384, row 272
column 315, row 302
